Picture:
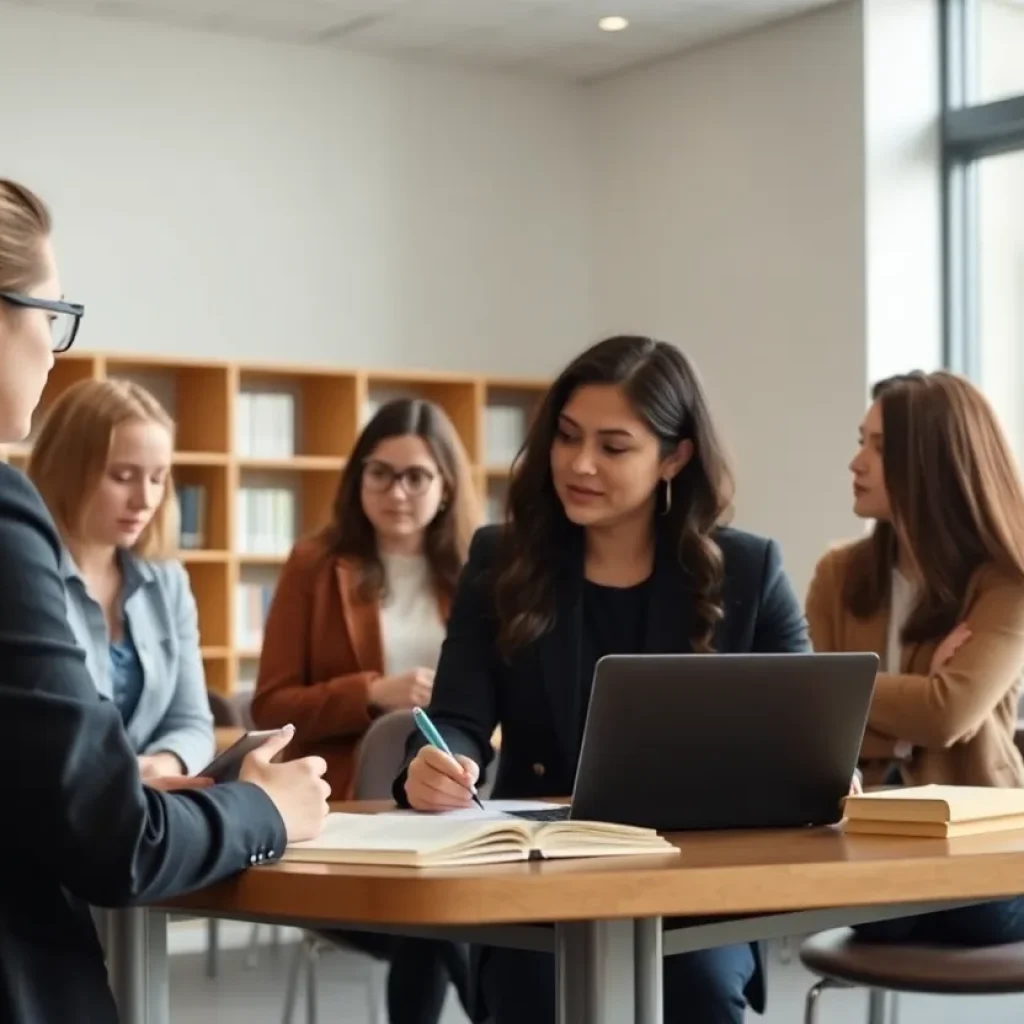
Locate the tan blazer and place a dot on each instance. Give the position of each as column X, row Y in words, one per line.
column 961, row 720
column 321, row 650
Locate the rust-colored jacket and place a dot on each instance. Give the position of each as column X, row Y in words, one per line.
column 960, row 720
column 321, row 651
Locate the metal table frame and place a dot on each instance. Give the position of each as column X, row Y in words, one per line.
column 608, row 971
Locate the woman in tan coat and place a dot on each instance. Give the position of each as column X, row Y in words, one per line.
column 356, row 625
column 937, row 591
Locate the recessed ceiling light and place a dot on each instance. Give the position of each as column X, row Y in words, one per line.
column 613, row 23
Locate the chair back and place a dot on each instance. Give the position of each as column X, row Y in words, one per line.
column 225, row 711
column 381, row 755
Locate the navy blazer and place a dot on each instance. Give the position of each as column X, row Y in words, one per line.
column 82, row 829
column 533, row 695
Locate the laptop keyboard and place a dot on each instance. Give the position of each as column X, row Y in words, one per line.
column 548, row 814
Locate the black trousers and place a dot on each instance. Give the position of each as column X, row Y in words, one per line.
column 704, row 987
column 986, row 924
column 419, row 975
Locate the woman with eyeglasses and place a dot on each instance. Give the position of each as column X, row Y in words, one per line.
column 355, row 628
column 84, row 828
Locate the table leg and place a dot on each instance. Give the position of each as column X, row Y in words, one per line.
column 138, row 967
column 595, row 973
column 648, row 962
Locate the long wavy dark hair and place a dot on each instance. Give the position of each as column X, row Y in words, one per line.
column 351, row 534
column 955, row 495
column 665, row 392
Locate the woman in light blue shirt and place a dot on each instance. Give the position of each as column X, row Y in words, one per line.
column 102, row 462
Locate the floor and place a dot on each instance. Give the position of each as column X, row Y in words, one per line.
column 253, row 994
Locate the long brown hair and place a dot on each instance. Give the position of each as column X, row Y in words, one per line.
column 955, row 495
column 666, row 393
column 351, row 534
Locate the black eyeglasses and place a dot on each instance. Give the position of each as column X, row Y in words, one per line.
column 381, row 477
column 64, row 316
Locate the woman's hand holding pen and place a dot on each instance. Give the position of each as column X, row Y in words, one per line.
column 439, row 782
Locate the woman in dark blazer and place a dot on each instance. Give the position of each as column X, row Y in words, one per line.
column 82, row 827
column 614, row 544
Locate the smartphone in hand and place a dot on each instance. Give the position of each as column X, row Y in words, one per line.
column 226, row 765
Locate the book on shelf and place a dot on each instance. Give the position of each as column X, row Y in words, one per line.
column 370, row 408
column 435, row 841
column 266, row 520
column 252, row 602
column 192, row 510
column 265, row 424
column 940, row 812
column 505, row 429
column 494, row 510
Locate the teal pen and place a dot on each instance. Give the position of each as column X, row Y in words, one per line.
column 435, row 739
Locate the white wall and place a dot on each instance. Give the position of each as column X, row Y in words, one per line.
column 730, row 219
column 903, row 186
column 226, row 197
column 769, row 202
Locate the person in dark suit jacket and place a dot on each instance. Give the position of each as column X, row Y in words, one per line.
column 81, row 828
column 614, row 544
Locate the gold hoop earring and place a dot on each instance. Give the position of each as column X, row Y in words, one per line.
column 668, row 498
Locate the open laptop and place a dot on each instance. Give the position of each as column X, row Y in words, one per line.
column 678, row 742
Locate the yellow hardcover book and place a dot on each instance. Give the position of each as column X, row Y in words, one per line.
column 934, row 829
column 936, row 804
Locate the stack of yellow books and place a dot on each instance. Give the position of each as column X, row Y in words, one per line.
column 940, row 812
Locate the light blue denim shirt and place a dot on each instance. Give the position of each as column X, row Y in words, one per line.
column 171, row 710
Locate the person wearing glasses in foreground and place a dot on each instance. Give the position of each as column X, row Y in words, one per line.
column 355, row 628
column 614, row 545
column 937, row 590
column 82, row 828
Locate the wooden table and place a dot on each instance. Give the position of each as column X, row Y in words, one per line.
column 610, row 933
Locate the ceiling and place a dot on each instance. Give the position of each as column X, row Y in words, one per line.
column 548, row 37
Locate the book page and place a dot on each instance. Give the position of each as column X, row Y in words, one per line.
column 419, row 833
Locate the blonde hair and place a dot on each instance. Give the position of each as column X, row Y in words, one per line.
column 24, row 225
column 69, row 456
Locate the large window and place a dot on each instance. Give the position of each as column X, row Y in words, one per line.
column 984, row 151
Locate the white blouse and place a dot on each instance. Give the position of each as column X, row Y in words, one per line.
column 410, row 620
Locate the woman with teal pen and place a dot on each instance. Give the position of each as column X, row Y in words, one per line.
column 615, row 544
column 436, row 740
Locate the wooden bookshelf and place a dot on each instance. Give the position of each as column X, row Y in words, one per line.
column 329, row 408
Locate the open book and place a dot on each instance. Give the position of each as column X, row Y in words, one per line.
column 941, row 812
column 423, row 840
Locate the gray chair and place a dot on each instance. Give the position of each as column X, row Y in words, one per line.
column 380, row 758
column 841, row 960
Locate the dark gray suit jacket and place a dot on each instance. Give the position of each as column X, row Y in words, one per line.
column 79, row 827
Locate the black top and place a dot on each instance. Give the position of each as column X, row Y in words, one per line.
column 614, row 622
column 81, row 827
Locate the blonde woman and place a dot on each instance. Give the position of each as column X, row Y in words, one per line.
column 86, row 830
column 102, row 463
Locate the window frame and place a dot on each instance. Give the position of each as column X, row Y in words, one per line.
column 970, row 132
